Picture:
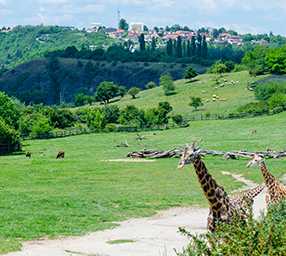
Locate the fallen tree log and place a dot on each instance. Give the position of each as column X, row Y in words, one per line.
column 227, row 155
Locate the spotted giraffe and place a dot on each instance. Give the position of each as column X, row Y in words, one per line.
column 222, row 207
column 276, row 191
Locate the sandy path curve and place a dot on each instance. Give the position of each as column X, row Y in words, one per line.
column 154, row 236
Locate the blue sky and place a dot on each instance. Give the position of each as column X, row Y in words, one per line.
column 255, row 16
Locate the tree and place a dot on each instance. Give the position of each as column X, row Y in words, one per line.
column 133, row 92
column 277, row 100
column 145, row 28
column 142, row 42
column 41, row 127
column 81, row 99
column 193, row 46
column 111, row 113
column 9, row 136
column 190, row 73
column 169, row 47
column 96, row 118
column 196, row 102
column 218, row 68
column 167, row 83
column 179, row 50
column 189, row 50
column 132, row 116
column 204, row 47
column 10, row 111
column 199, row 45
column 151, row 85
column 123, row 25
column 122, row 91
column 153, row 44
column 106, row 91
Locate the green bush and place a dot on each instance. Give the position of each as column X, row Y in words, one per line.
column 254, row 108
column 266, row 90
column 8, row 136
column 167, row 83
column 41, row 127
column 277, row 100
column 264, row 237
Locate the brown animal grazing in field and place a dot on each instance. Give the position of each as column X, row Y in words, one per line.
column 61, row 154
column 253, row 131
column 28, row 154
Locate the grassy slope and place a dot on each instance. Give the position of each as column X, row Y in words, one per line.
column 234, row 95
column 45, row 197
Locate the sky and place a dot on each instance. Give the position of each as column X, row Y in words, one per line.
column 244, row 16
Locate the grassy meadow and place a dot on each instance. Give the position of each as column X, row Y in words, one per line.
column 45, row 197
column 231, row 96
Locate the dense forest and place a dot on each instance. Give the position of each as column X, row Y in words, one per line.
column 54, row 80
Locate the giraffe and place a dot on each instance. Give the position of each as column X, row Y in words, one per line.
column 222, row 207
column 276, row 191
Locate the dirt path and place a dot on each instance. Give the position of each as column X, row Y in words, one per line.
column 154, row 236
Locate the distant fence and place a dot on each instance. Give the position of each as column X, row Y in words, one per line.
column 79, row 131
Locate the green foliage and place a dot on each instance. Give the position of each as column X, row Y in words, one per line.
column 179, row 120
column 151, row 85
column 61, row 118
column 277, row 100
column 8, row 135
column 264, row 237
column 276, row 60
column 123, row 24
column 190, row 73
column 219, row 68
column 266, row 90
column 132, row 116
column 167, row 83
column 111, row 113
column 41, row 127
column 254, row 108
column 133, row 91
column 196, row 102
column 106, row 91
column 25, row 43
column 96, row 118
column 9, row 110
column 81, row 99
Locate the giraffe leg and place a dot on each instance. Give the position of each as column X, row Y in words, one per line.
column 210, row 224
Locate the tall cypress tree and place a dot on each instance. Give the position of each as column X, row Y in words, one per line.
column 193, row 46
column 142, row 42
column 204, row 47
column 199, row 45
column 189, row 51
column 184, row 48
column 179, row 51
column 169, row 48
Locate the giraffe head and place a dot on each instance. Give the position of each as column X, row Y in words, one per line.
column 189, row 155
column 255, row 161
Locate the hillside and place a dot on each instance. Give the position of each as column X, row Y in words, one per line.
column 25, row 43
column 31, row 82
column 231, row 91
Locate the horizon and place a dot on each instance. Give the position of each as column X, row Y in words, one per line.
column 241, row 16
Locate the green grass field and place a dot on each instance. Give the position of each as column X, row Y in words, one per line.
column 45, row 197
column 230, row 96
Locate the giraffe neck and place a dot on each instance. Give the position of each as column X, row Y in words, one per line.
column 207, row 182
column 268, row 177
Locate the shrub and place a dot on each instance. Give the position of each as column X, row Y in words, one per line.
column 133, row 92
column 111, row 113
column 218, row 68
column 151, row 85
column 132, row 116
column 266, row 90
column 264, row 237
column 190, row 73
column 8, row 136
column 110, row 128
column 277, row 100
column 254, row 108
column 167, row 83
column 196, row 102
column 41, row 127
